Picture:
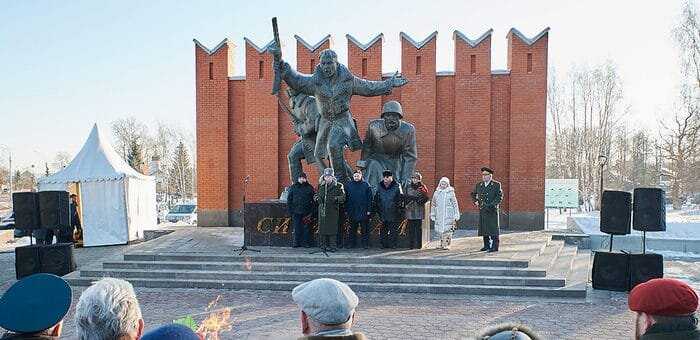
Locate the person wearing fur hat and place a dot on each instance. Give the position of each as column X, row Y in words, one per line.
column 665, row 309
column 300, row 205
column 387, row 204
column 415, row 196
column 444, row 211
column 487, row 195
column 358, row 206
column 508, row 331
column 330, row 196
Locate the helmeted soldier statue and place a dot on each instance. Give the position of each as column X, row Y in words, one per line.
column 332, row 84
column 390, row 144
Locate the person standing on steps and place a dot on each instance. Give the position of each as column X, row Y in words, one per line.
column 487, row 195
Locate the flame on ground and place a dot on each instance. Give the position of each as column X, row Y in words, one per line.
column 248, row 263
column 217, row 321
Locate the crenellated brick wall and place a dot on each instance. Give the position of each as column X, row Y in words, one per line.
column 465, row 119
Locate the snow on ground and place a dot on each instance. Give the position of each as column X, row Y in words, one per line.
column 680, row 224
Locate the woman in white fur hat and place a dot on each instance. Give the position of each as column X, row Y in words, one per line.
column 444, row 211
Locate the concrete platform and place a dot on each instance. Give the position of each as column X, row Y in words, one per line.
column 528, row 264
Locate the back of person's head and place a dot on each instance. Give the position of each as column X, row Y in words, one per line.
column 508, row 331
column 108, row 310
column 666, row 303
column 327, row 303
column 36, row 305
column 171, row 331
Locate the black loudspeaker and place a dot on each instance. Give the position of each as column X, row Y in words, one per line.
column 27, row 260
column 611, row 271
column 26, row 207
column 644, row 267
column 616, row 212
column 649, row 209
column 58, row 259
column 54, row 209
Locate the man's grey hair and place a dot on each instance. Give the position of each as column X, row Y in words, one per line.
column 107, row 310
column 328, row 53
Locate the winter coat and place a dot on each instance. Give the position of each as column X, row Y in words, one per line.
column 358, row 200
column 329, row 198
column 414, row 200
column 488, row 197
column 671, row 331
column 387, row 202
column 444, row 209
column 300, row 199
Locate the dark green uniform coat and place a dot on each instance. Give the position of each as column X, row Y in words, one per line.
column 488, row 197
column 329, row 198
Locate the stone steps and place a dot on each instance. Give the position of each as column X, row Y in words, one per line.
column 537, row 267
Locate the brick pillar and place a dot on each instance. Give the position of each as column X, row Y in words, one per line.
column 211, row 78
column 527, row 61
column 364, row 61
column 418, row 100
column 472, row 120
column 261, row 126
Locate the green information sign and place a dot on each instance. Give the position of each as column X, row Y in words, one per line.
column 561, row 193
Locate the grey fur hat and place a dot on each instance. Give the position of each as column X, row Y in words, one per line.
column 328, row 172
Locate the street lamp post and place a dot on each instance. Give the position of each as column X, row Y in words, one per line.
column 602, row 160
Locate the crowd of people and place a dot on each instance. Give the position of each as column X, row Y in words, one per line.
column 35, row 306
column 356, row 201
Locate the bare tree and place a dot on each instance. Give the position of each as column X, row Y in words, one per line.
column 62, row 159
column 679, row 143
column 584, row 111
column 128, row 131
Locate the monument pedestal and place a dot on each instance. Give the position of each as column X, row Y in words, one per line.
column 266, row 223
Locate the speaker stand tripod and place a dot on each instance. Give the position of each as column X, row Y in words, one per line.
column 323, row 249
column 245, row 248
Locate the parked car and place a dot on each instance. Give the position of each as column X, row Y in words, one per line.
column 7, row 222
column 183, row 212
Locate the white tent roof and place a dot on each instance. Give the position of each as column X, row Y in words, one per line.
column 96, row 161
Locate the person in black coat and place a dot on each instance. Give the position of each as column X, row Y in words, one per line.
column 358, row 205
column 300, row 205
column 387, row 204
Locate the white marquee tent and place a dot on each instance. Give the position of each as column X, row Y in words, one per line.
column 116, row 201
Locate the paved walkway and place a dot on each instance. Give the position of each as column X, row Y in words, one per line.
column 273, row 315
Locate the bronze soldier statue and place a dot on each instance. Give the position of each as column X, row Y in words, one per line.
column 390, row 144
column 332, row 84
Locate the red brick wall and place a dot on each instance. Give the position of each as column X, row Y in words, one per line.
column 212, row 127
column 472, row 116
column 418, row 100
column 500, row 138
column 463, row 121
column 261, row 145
column 527, row 123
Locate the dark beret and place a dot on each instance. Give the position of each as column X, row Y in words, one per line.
column 35, row 303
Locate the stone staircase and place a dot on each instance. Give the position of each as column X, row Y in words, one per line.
column 529, row 264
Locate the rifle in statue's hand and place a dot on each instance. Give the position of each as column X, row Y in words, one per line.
column 277, row 54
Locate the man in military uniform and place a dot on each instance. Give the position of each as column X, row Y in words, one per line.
column 332, row 84
column 487, row 195
column 329, row 197
column 390, row 144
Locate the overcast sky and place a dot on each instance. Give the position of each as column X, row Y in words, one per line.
column 65, row 65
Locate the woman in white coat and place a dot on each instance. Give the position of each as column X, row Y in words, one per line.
column 444, row 211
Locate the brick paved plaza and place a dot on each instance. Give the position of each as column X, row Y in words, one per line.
column 273, row 314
